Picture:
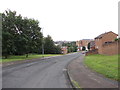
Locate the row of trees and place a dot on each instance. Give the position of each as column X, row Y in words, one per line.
column 23, row 36
column 71, row 46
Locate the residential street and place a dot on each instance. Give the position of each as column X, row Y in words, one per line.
column 60, row 44
column 51, row 73
column 47, row 73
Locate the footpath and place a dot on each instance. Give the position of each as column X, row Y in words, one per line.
column 82, row 77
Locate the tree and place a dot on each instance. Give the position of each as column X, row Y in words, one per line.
column 20, row 35
column 88, row 46
column 49, row 46
column 33, row 35
column 8, row 32
column 83, row 48
column 57, row 49
column 23, row 36
column 71, row 46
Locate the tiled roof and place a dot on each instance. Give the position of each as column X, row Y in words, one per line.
column 101, row 35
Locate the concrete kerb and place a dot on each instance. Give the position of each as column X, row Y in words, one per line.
column 73, row 83
column 26, row 61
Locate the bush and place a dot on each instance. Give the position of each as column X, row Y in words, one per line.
column 116, row 39
column 83, row 48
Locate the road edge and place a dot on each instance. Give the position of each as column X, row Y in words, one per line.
column 25, row 61
column 73, row 83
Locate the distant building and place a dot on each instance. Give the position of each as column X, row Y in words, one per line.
column 83, row 42
column 64, row 49
column 92, row 45
column 79, row 45
column 104, row 38
column 58, row 43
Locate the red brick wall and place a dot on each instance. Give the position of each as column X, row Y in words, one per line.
column 95, row 51
column 98, row 45
column 105, row 38
column 109, row 37
column 111, row 48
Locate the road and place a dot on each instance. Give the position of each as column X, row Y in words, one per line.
column 47, row 73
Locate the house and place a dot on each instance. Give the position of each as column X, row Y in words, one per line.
column 104, row 38
column 92, row 45
column 81, row 43
column 64, row 49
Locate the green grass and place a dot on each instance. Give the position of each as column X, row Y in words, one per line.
column 76, row 84
column 23, row 57
column 106, row 65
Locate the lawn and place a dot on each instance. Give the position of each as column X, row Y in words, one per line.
column 23, row 57
column 106, row 65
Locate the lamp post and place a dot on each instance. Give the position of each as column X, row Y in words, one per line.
column 42, row 45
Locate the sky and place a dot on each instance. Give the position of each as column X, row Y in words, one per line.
column 68, row 20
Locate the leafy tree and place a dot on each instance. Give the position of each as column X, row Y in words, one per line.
column 83, row 48
column 49, row 46
column 20, row 35
column 71, row 46
column 33, row 35
column 8, row 32
column 88, row 46
column 23, row 36
column 57, row 49
column 75, row 48
column 70, row 49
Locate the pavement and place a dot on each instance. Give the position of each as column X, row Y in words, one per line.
column 83, row 77
column 46, row 73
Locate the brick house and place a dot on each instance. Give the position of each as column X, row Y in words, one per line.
column 92, row 45
column 79, row 45
column 104, row 38
column 64, row 49
column 82, row 43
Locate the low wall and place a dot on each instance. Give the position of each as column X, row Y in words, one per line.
column 95, row 51
column 111, row 48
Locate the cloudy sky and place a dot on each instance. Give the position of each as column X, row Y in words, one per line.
column 69, row 19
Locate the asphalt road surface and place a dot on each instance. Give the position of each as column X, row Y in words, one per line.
column 47, row 73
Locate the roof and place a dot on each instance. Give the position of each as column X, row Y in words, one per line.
column 87, row 39
column 101, row 35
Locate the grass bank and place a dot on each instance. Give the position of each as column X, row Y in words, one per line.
column 23, row 57
column 106, row 65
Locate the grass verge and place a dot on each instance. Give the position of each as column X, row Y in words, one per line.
column 106, row 65
column 23, row 57
column 76, row 84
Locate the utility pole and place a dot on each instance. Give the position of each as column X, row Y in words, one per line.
column 42, row 45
